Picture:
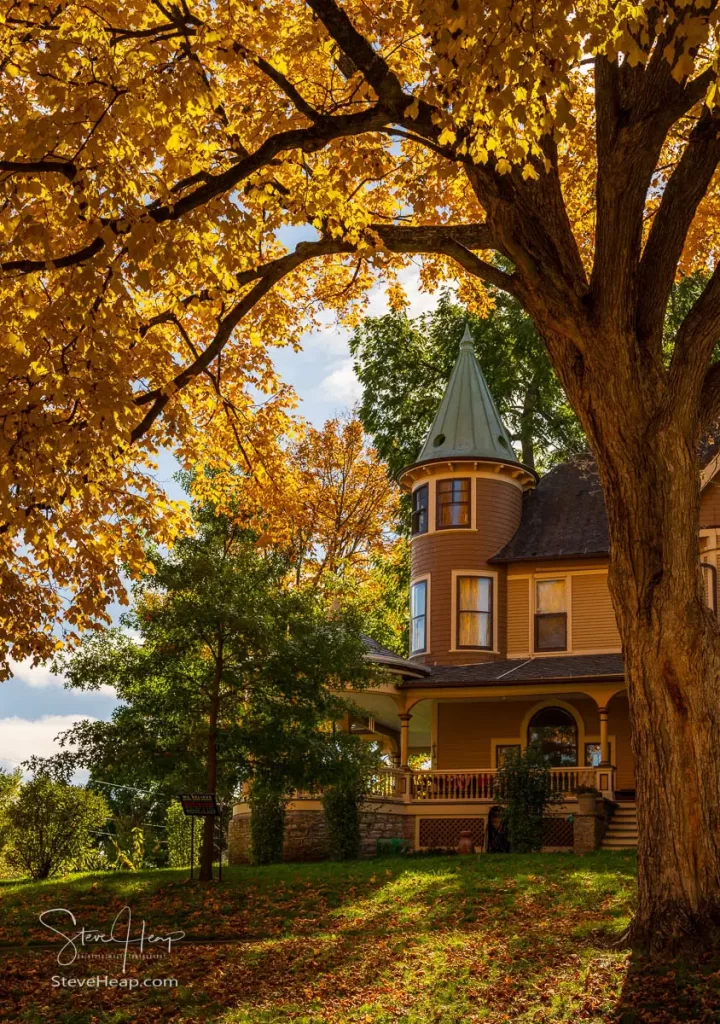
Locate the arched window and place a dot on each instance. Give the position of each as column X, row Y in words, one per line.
column 554, row 730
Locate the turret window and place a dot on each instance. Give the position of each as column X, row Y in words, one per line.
column 550, row 615
column 419, row 519
column 474, row 612
column 453, row 504
column 418, row 617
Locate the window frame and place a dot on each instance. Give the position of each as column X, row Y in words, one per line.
column 462, row 504
column 423, row 581
column 459, row 612
column 549, row 615
column 414, row 512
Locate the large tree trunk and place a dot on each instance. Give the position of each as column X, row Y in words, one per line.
column 671, row 643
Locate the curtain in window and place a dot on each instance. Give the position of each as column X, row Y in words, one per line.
column 474, row 611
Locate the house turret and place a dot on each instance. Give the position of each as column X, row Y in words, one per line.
column 466, row 486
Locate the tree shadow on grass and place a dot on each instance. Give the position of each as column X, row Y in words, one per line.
column 669, row 992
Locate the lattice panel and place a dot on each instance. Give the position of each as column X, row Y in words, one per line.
column 557, row 832
column 444, row 833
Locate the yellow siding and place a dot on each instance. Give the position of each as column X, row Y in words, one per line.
column 594, row 627
column 466, row 729
column 518, row 617
column 710, row 505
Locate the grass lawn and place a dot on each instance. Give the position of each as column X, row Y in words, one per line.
column 419, row 941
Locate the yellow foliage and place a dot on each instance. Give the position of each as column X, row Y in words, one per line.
column 157, row 163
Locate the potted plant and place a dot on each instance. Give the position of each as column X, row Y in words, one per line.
column 586, row 798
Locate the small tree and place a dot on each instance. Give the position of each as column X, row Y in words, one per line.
column 524, row 787
column 354, row 765
column 48, row 827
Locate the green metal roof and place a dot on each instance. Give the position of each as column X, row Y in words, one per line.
column 467, row 423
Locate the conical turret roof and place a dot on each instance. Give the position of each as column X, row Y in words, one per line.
column 467, row 424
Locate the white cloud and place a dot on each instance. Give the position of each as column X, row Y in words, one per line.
column 40, row 677
column 20, row 738
column 341, row 386
column 37, row 676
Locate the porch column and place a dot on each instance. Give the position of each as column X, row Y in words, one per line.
column 604, row 749
column 404, row 739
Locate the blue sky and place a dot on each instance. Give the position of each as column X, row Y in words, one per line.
column 34, row 705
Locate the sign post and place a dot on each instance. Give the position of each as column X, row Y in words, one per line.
column 199, row 805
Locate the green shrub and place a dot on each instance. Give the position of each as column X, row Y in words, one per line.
column 350, row 776
column 342, row 804
column 48, row 828
column 523, row 786
column 267, row 824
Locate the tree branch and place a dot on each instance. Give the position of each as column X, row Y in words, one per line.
column 64, row 167
column 694, row 343
column 456, row 241
column 710, row 398
column 681, row 197
column 325, row 130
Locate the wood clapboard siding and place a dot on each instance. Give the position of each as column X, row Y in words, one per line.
column 466, row 728
column 498, row 509
column 465, row 731
column 594, row 626
column 710, row 505
column 518, row 617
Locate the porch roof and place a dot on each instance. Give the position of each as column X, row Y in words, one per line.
column 523, row 670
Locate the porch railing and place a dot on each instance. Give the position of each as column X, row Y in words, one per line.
column 389, row 782
column 464, row 786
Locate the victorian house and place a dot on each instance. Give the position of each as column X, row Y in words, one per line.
column 513, row 638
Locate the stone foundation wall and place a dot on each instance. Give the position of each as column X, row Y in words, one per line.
column 306, row 836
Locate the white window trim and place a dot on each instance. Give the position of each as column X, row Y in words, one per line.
column 491, row 574
column 540, row 577
column 422, row 579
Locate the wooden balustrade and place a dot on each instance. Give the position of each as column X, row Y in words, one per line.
column 469, row 785
column 389, row 782
column 464, row 786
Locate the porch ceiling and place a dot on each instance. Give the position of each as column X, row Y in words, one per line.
column 384, row 710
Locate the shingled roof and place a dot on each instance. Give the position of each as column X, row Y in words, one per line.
column 564, row 517
column 523, row 670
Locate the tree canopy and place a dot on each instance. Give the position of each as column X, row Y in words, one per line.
column 404, row 366
column 155, row 160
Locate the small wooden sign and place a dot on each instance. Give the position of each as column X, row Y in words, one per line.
column 200, row 805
